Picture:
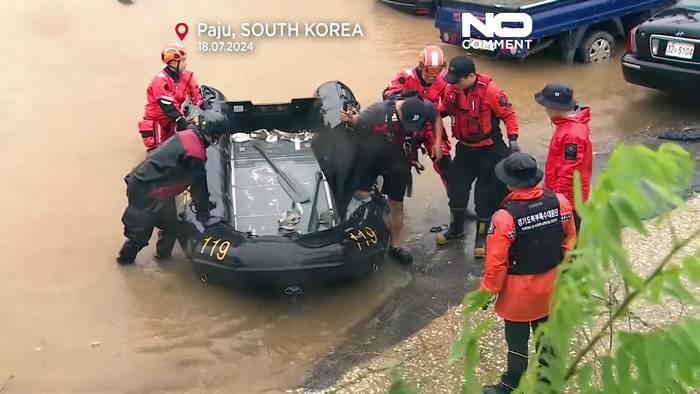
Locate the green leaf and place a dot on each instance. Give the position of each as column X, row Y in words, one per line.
column 655, row 288
column 623, row 369
column 475, row 300
column 583, row 380
column 632, row 279
column 609, row 383
column 401, row 387
column 627, row 213
column 691, row 266
column 459, row 348
column 674, row 287
column 668, row 195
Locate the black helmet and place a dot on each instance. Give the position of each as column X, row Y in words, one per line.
column 214, row 123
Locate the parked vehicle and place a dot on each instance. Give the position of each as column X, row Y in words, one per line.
column 416, row 7
column 664, row 52
column 584, row 28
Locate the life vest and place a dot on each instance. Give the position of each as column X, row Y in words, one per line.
column 468, row 110
column 536, row 248
column 409, row 79
column 391, row 126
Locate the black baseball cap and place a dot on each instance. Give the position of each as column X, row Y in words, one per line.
column 460, row 66
column 519, row 170
column 413, row 114
column 556, row 95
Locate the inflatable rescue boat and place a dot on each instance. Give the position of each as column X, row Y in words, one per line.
column 281, row 185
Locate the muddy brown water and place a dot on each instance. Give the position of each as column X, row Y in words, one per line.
column 73, row 76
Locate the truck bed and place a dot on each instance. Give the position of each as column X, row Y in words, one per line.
column 503, row 4
column 549, row 17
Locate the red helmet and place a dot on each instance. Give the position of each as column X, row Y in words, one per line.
column 173, row 51
column 432, row 61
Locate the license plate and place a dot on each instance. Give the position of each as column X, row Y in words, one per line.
column 680, row 50
column 482, row 45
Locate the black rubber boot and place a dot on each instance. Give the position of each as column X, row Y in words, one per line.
column 164, row 247
column 128, row 252
column 402, row 255
column 456, row 229
column 482, row 226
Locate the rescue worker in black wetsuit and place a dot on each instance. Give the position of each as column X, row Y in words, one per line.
column 387, row 149
column 169, row 170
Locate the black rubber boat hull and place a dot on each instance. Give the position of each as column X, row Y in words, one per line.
column 350, row 250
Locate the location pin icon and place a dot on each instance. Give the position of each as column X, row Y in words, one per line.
column 181, row 30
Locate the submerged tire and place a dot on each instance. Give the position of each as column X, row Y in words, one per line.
column 596, row 47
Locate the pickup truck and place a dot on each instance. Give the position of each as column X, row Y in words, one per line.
column 584, row 28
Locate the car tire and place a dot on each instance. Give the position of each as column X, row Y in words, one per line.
column 597, row 46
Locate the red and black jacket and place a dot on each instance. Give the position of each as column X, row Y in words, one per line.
column 477, row 113
column 177, row 164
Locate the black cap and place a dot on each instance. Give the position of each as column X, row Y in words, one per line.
column 557, row 96
column 214, row 123
column 460, row 66
column 519, row 170
column 413, row 114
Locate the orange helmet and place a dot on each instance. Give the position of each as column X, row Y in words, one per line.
column 431, row 61
column 173, row 51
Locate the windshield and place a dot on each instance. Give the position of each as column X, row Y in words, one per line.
column 506, row 3
column 691, row 4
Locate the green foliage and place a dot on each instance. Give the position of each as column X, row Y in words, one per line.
column 652, row 362
column 467, row 346
column 401, row 387
column 637, row 183
column 398, row 385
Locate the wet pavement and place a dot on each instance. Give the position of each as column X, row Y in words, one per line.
column 74, row 75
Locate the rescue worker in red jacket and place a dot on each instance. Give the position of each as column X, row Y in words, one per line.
column 386, row 150
column 570, row 149
column 427, row 81
column 528, row 238
column 477, row 106
column 167, row 171
column 165, row 96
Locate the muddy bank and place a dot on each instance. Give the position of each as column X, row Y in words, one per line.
column 423, row 355
column 419, row 322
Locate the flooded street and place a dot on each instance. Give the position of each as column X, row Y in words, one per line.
column 73, row 78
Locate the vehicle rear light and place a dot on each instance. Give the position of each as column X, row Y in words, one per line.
column 422, row 11
column 655, row 46
column 632, row 41
column 453, row 38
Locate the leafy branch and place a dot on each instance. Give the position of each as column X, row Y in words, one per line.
column 678, row 246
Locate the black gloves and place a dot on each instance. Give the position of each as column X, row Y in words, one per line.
column 182, row 123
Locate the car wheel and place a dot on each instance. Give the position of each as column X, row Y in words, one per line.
column 598, row 46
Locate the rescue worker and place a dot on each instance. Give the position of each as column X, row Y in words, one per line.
column 166, row 172
column 570, row 148
column 386, row 150
column 527, row 239
column 477, row 106
column 165, row 96
column 427, row 80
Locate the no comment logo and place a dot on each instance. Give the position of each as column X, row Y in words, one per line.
column 506, row 30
